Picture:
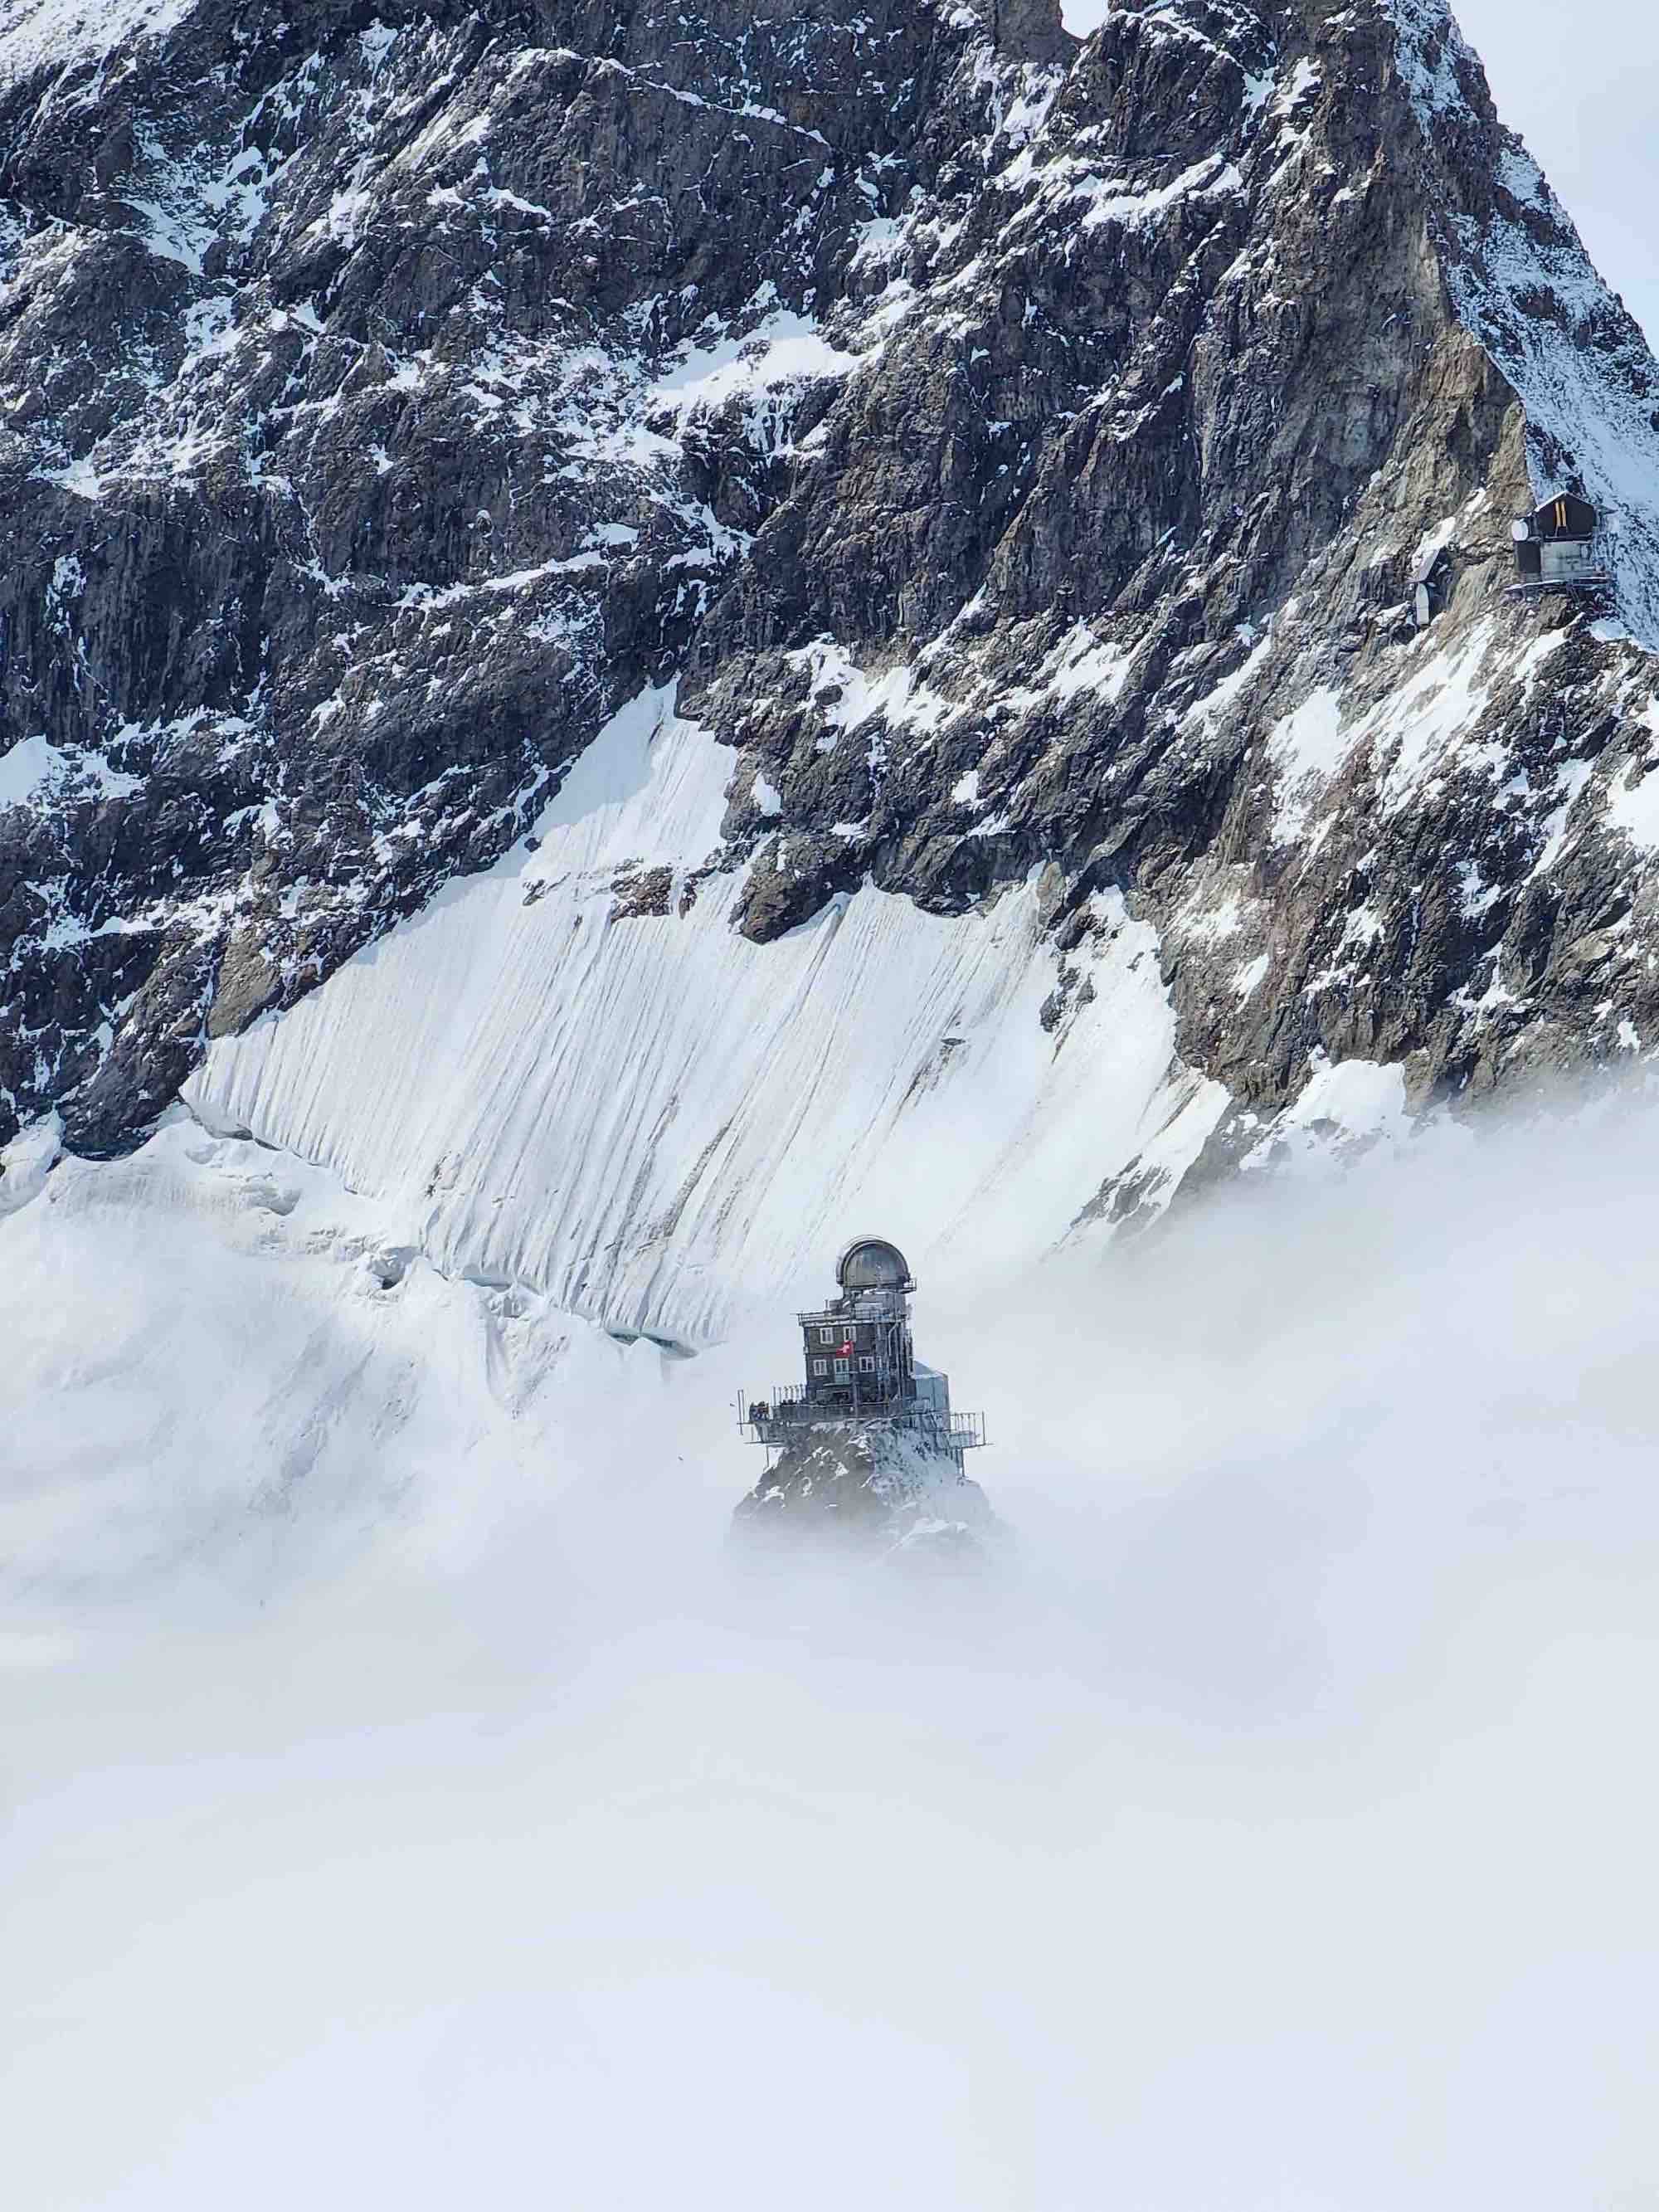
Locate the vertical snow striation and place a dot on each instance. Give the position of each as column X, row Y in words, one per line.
column 573, row 1073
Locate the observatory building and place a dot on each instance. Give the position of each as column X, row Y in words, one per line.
column 1562, row 548
column 860, row 1368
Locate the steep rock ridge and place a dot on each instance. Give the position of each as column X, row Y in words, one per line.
column 1019, row 455
column 1185, row 667
column 1521, row 282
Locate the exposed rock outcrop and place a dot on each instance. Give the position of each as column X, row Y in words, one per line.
column 1019, row 451
column 871, row 1492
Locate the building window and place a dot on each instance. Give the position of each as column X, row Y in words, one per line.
column 826, row 1336
column 820, row 1367
column 843, row 1370
column 866, row 1363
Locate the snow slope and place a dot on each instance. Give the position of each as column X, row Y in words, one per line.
column 648, row 1117
column 226, row 1377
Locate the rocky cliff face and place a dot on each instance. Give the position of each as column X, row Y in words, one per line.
column 1016, row 453
column 871, row 1492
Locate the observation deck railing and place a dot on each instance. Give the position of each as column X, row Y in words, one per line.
column 777, row 1420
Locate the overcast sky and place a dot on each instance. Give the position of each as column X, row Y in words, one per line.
column 1581, row 84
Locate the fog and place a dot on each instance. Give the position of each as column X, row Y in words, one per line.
column 1278, row 1832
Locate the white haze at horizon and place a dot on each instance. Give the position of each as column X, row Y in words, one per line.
column 1581, row 88
column 1280, row 1836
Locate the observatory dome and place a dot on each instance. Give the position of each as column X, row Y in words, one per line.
column 872, row 1264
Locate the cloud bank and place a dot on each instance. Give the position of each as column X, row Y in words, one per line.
column 1280, row 1834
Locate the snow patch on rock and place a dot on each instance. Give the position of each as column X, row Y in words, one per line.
column 63, row 33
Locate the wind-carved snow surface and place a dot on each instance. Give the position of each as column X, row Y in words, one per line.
column 648, row 1117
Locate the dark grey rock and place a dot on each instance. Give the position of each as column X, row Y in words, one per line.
column 352, row 479
column 871, row 1492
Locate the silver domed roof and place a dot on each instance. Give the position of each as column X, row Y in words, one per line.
column 872, row 1264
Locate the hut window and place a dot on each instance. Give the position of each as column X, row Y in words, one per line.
column 820, row 1367
column 826, row 1336
column 843, row 1368
column 866, row 1363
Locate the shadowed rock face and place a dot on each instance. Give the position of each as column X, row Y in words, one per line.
column 873, row 1492
column 1019, row 452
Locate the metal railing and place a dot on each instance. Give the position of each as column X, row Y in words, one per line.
column 780, row 1417
column 847, row 1314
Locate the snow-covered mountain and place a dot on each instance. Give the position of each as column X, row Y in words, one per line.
column 642, row 633
column 635, row 640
